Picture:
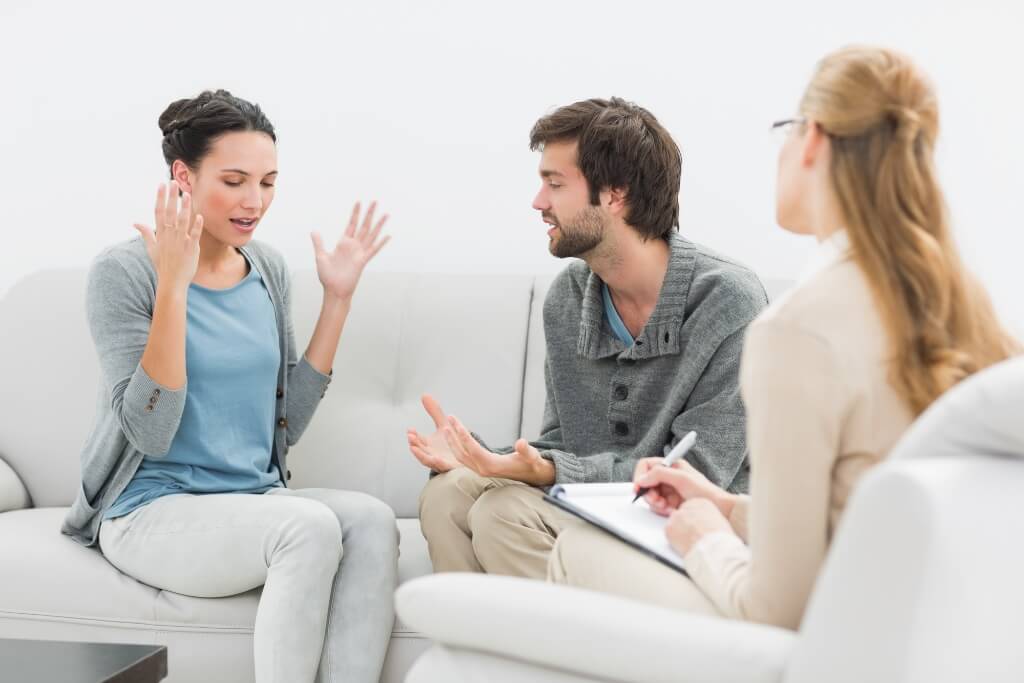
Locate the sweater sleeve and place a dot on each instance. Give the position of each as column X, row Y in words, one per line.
column 119, row 313
column 306, row 384
column 795, row 398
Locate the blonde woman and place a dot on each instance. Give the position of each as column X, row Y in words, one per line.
column 885, row 320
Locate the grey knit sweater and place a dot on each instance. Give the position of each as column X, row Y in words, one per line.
column 608, row 405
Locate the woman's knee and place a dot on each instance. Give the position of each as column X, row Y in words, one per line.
column 372, row 515
column 312, row 524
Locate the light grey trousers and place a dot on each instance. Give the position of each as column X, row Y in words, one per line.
column 327, row 561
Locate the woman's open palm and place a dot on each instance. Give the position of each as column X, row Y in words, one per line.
column 339, row 269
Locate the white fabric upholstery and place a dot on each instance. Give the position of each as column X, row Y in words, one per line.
column 584, row 632
column 921, row 584
column 53, row 588
column 444, row 664
column 13, row 495
column 993, row 398
column 49, row 388
column 464, row 338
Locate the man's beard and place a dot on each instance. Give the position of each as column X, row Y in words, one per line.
column 580, row 235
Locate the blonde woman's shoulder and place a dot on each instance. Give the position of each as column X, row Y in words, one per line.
column 830, row 304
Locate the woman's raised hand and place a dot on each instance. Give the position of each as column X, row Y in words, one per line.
column 339, row 269
column 174, row 245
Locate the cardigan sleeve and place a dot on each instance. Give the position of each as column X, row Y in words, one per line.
column 119, row 309
column 793, row 388
column 306, row 385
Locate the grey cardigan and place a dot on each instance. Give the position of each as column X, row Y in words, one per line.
column 609, row 405
column 137, row 417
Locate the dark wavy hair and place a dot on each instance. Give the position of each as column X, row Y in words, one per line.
column 621, row 145
column 191, row 126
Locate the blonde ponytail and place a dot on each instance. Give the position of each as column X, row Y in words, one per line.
column 881, row 116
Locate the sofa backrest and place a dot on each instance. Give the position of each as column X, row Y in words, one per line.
column 48, row 380
column 460, row 337
column 475, row 341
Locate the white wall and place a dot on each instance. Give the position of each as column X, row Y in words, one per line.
column 427, row 107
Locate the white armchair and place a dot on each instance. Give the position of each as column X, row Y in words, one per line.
column 923, row 583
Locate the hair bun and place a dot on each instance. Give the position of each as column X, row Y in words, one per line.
column 180, row 113
column 176, row 116
column 191, row 125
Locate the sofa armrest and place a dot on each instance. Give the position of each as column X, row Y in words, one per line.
column 13, row 494
column 589, row 633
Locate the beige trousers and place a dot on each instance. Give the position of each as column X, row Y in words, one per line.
column 587, row 557
column 498, row 526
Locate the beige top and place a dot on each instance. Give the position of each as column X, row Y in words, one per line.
column 820, row 412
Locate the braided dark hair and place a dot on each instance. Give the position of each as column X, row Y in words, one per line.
column 190, row 126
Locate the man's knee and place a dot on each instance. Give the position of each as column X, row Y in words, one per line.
column 498, row 509
column 568, row 548
column 449, row 495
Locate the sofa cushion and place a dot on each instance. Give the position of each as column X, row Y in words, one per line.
column 46, row 575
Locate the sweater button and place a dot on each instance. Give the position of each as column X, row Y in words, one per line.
column 282, row 422
column 288, row 475
column 620, row 393
column 280, row 393
column 621, row 429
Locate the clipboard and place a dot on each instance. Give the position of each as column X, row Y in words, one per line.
column 609, row 507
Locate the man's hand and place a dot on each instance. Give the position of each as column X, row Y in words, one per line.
column 670, row 487
column 525, row 464
column 693, row 520
column 433, row 451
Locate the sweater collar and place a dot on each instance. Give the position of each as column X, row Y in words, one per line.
column 833, row 249
column 660, row 334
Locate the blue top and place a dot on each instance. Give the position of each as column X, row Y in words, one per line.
column 224, row 441
column 618, row 327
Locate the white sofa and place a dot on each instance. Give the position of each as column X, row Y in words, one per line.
column 922, row 584
column 475, row 341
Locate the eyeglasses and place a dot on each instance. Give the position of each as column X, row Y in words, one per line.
column 784, row 124
column 780, row 129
